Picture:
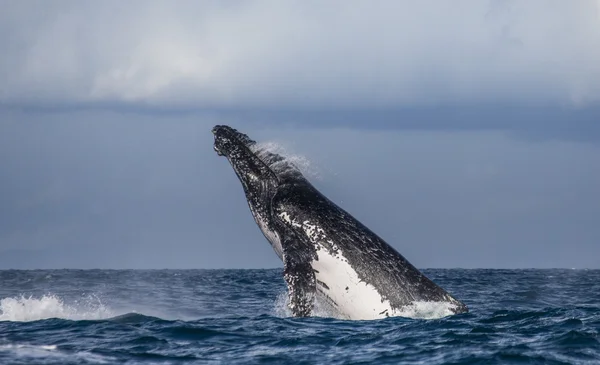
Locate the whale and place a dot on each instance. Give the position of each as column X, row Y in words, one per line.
column 327, row 254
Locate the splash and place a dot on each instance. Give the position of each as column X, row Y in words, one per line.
column 417, row 310
column 426, row 310
column 280, row 307
column 26, row 309
column 299, row 162
column 322, row 308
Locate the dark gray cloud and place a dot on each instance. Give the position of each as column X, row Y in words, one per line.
column 103, row 189
column 303, row 54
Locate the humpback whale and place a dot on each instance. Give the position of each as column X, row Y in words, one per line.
column 325, row 251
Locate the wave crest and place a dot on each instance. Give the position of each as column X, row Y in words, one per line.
column 26, row 309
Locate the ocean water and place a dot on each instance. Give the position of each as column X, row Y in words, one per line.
column 240, row 317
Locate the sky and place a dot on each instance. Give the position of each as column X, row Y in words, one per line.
column 465, row 133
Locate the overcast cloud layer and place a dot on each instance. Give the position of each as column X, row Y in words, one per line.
column 281, row 54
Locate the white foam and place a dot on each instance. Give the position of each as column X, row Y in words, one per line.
column 25, row 309
column 21, row 346
column 417, row 310
column 427, row 310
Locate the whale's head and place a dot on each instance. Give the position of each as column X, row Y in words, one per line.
column 259, row 181
column 229, row 141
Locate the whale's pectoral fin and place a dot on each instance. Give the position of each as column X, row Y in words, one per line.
column 299, row 276
column 298, row 255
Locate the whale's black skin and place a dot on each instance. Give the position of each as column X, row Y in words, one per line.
column 299, row 221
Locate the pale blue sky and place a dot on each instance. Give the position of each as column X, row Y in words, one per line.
column 465, row 133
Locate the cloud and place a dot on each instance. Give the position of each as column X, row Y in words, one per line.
column 299, row 54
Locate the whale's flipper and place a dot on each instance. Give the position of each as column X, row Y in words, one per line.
column 299, row 275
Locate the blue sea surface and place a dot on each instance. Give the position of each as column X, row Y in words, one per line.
column 240, row 317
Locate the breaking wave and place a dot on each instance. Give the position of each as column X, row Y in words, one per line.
column 26, row 309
